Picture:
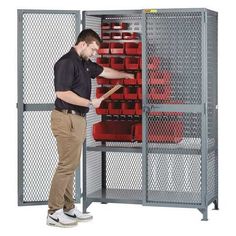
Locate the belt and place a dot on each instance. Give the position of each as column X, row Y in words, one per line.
column 73, row 112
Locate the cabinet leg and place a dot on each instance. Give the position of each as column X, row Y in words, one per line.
column 216, row 205
column 204, row 214
column 86, row 204
column 84, row 208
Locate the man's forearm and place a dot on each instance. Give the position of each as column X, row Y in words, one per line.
column 72, row 98
column 110, row 73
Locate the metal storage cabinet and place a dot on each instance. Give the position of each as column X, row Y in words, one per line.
column 172, row 156
column 182, row 172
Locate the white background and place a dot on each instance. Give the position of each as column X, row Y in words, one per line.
column 119, row 219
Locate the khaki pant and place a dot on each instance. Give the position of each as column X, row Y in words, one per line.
column 69, row 131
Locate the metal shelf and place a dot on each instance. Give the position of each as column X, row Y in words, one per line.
column 135, row 196
column 117, row 195
column 104, row 148
column 186, row 146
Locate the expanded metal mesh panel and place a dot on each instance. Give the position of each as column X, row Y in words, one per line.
column 94, row 173
column 174, row 179
column 212, row 161
column 95, row 24
column 211, row 76
column 46, row 37
column 173, row 57
column 123, row 170
column 40, row 156
column 211, row 176
column 174, row 159
column 93, row 159
column 123, row 176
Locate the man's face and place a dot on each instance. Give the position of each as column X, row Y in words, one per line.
column 89, row 51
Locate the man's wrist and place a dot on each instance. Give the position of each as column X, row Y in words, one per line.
column 90, row 104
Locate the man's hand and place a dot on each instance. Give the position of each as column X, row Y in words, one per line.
column 96, row 102
column 130, row 76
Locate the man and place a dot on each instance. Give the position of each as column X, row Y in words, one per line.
column 73, row 73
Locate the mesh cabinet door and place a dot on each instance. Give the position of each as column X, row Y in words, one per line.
column 173, row 104
column 43, row 37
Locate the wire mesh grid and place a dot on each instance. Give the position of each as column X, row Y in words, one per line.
column 43, row 45
column 173, row 55
column 124, row 175
column 93, row 159
column 211, row 176
column 174, row 159
column 40, row 156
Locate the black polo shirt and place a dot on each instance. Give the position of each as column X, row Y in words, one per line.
column 73, row 73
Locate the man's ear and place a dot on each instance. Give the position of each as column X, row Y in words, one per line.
column 83, row 44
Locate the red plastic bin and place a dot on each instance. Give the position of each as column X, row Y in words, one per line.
column 132, row 63
column 129, row 36
column 140, row 63
column 106, row 36
column 128, row 108
column 102, row 81
column 104, row 49
column 131, row 48
column 103, row 109
column 114, row 131
column 103, row 61
column 106, row 26
column 161, row 132
column 130, row 93
column 119, row 25
column 117, row 63
column 139, row 92
column 114, row 108
column 130, row 81
column 116, row 35
column 138, row 108
column 139, row 49
column 139, row 78
column 117, row 48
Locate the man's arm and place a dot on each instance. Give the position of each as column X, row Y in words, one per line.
column 115, row 74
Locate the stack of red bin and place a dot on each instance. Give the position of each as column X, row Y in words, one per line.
column 125, row 54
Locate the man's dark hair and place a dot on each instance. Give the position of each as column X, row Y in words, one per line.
column 88, row 35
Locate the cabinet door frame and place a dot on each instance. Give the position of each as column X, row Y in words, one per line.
column 32, row 24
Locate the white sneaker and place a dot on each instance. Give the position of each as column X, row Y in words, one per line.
column 76, row 214
column 59, row 219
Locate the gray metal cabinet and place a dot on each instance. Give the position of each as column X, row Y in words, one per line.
column 171, row 158
column 176, row 164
